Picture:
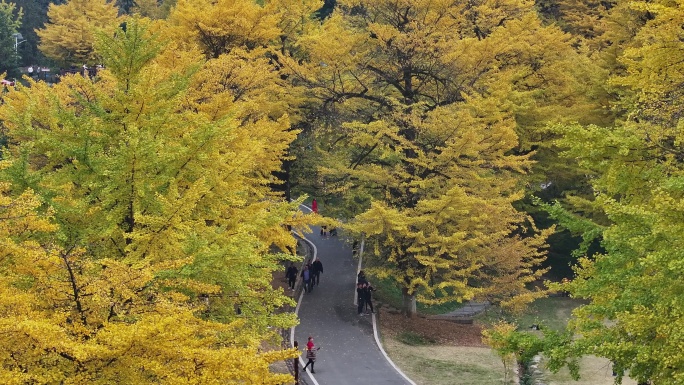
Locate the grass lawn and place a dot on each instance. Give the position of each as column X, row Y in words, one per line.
column 553, row 312
column 593, row 371
column 447, row 365
column 387, row 292
column 428, row 363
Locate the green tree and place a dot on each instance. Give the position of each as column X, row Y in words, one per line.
column 634, row 288
column 10, row 21
column 159, row 263
column 425, row 101
column 35, row 16
column 126, row 6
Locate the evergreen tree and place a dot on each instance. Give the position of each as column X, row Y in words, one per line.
column 10, row 20
column 35, row 17
column 126, row 6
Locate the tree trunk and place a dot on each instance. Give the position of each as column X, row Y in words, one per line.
column 409, row 308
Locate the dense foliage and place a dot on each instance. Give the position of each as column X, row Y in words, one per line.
column 148, row 246
column 130, row 197
column 10, row 20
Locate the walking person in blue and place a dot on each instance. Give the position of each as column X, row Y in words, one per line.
column 306, row 277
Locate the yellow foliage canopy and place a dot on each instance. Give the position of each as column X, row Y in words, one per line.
column 143, row 254
column 425, row 98
column 69, row 36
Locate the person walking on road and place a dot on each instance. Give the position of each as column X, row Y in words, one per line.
column 306, row 278
column 317, row 267
column 291, row 275
column 310, row 354
column 312, row 272
column 360, row 297
column 314, row 206
column 368, row 293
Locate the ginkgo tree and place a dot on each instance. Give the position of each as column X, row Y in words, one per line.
column 154, row 256
column 242, row 40
column 219, row 26
column 634, row 288
column 428, row 99
column 69, row 35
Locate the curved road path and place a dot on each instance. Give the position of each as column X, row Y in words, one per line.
column 349, row 353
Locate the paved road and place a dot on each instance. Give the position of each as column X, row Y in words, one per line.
column 349, row 354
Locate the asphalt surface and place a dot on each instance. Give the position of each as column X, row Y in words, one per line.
column 349, row 353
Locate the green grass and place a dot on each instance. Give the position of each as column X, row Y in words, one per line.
column 388, row 293
column 553, row 313
column 413, row 339
column 466, row 374
column 447, row 365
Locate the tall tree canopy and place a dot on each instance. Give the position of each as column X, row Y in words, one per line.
column 220, row 26
column 10, row 21
column 35, row 16
column 69, row 36
column 634, row 316
column 153, row 9
column 243, row 39
column 160, row 225
column 423, row 102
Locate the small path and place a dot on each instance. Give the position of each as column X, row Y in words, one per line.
column 349, row 354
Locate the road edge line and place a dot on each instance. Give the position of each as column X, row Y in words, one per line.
column 375, row 327
column 382, row 350
column 299, row 302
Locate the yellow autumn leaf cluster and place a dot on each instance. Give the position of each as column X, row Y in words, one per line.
column 425, row 100
column 69, row 38
column 139, row 223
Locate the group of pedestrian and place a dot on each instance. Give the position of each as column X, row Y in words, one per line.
column 38, row 72
column 325, row 232
column 311, row 275
column 364, row 295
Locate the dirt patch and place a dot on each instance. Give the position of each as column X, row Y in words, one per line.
column 437, row 331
